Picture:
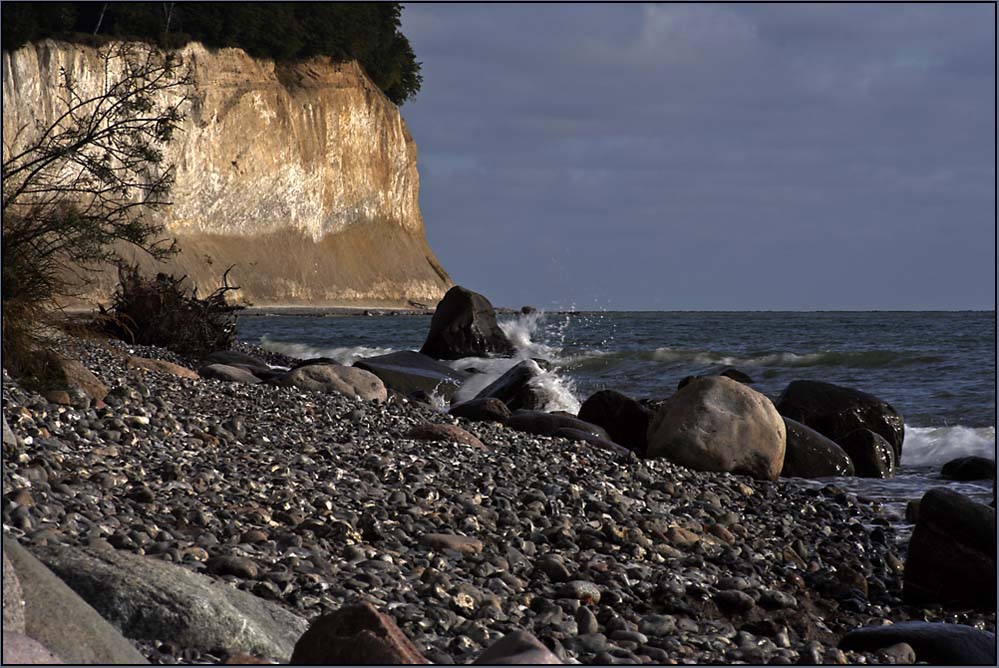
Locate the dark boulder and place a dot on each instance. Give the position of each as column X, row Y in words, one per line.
column 408, row 371
column 234, row 357
column 809, row 454
column 517, row 648
column 934, row 643
column 969, row 468
column 228, row 373
column 624, row 418
column 952, row 553
column 482, row 410
column 355, row 635
column 464, row 325
column 835, row 411
column 872, row 456
column 578, row 435
column 514, row 387
column 546, row 424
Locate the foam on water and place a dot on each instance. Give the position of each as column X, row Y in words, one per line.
column 344, row 355
column 864, row 359
column 935, row 446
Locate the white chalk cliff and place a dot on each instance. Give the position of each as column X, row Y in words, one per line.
column 302, row 175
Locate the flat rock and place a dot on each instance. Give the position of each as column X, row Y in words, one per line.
column 488, row 409
column 355, row 635
column 150, row 600
column 60, row 620
column 934, row 643
column 228, row 373
column 517, row 648
column 546, row 424
column 234, row 357
column 346, row 380
column 407, row 371
column 162, row 366
column 603, row 443
column 448, row 433
column 809, row 454
column 448, row 541
column 20, row 649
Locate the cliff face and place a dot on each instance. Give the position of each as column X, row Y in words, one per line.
column 303, row 176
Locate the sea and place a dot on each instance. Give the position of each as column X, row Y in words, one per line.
column 938, row 369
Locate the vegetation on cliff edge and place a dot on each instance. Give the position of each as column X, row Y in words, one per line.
column 366, row 32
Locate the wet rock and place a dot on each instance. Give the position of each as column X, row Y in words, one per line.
column 835, row 411
column 546, row 424
column 517, row 648
column 151, row 599
column 20, row 649
column 718, row 424
column 407, row 371
column 969, row 468
column 872, row 456
column 345, row 380
column 625, row 419
column 934, row 643
column 952, row 552
column 80, row 635
column 464, row 325
column 355, row 634
column 515, row 387
column 228, row 373
column 448, row 433
column 809, row 454
column 488, row 409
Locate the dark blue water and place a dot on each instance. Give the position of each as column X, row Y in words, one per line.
column 937, row 368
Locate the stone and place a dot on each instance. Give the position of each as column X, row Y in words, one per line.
column 835, row 411
column 149, row 599
column 464, row 325
column 446, row 541
column 934, row 643
column 898, row 654
column 515, row 387
column 75, row 376
column 13, row 598
column 60, row 397
column 733, row 600
column 228, row 373
column 9, row 439
column 578, row 435
column 241, row 567
column 872, row 455
column 448, row 433
column 809, row 454
column 969, row 468
column 546, row 424
column 20, row 649
column 624, row 418
column 482, row 410
column 81, row 634
column 234, row 357
column 582, row 590
column 735, row 374
column 345, row 380
column 952, row 553
column 162, row 366
column 355, row 634
column 407, row 371
column 718, row 424
column 517, row 648
column 244, row 659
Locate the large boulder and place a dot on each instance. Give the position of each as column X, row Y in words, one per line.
column 161, row 366
column 934, row 643
column 60, row 620
column 515, row 387
column 75, row 376
column 546, row 424
column 20, row 649
column 150, row 600
column 835, row 411
column 624, row 418
column 482, row 410
column 408, row 371
column 952, row 553
column 718, row 424
column 872, row 456
column 969, row 468
column 355, row 635
column 228, row 373
column 345, row 380
column 809, row 454
column 464, row 325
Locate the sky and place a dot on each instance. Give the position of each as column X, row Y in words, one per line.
column 709, row 157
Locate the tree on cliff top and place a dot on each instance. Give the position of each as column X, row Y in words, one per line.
column 76, row 189
column 368, row 32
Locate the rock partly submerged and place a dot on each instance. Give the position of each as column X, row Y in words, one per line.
column 809, row 454
column 464, row 325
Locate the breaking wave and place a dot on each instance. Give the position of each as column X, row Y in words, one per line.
column 346, row 355
column 935, row 446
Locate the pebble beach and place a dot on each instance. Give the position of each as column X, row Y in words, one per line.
column 312, row 500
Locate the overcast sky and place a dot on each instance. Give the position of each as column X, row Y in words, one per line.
column 710, row 157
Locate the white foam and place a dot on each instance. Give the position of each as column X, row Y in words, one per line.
column 346, row 355
column 935, row 446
